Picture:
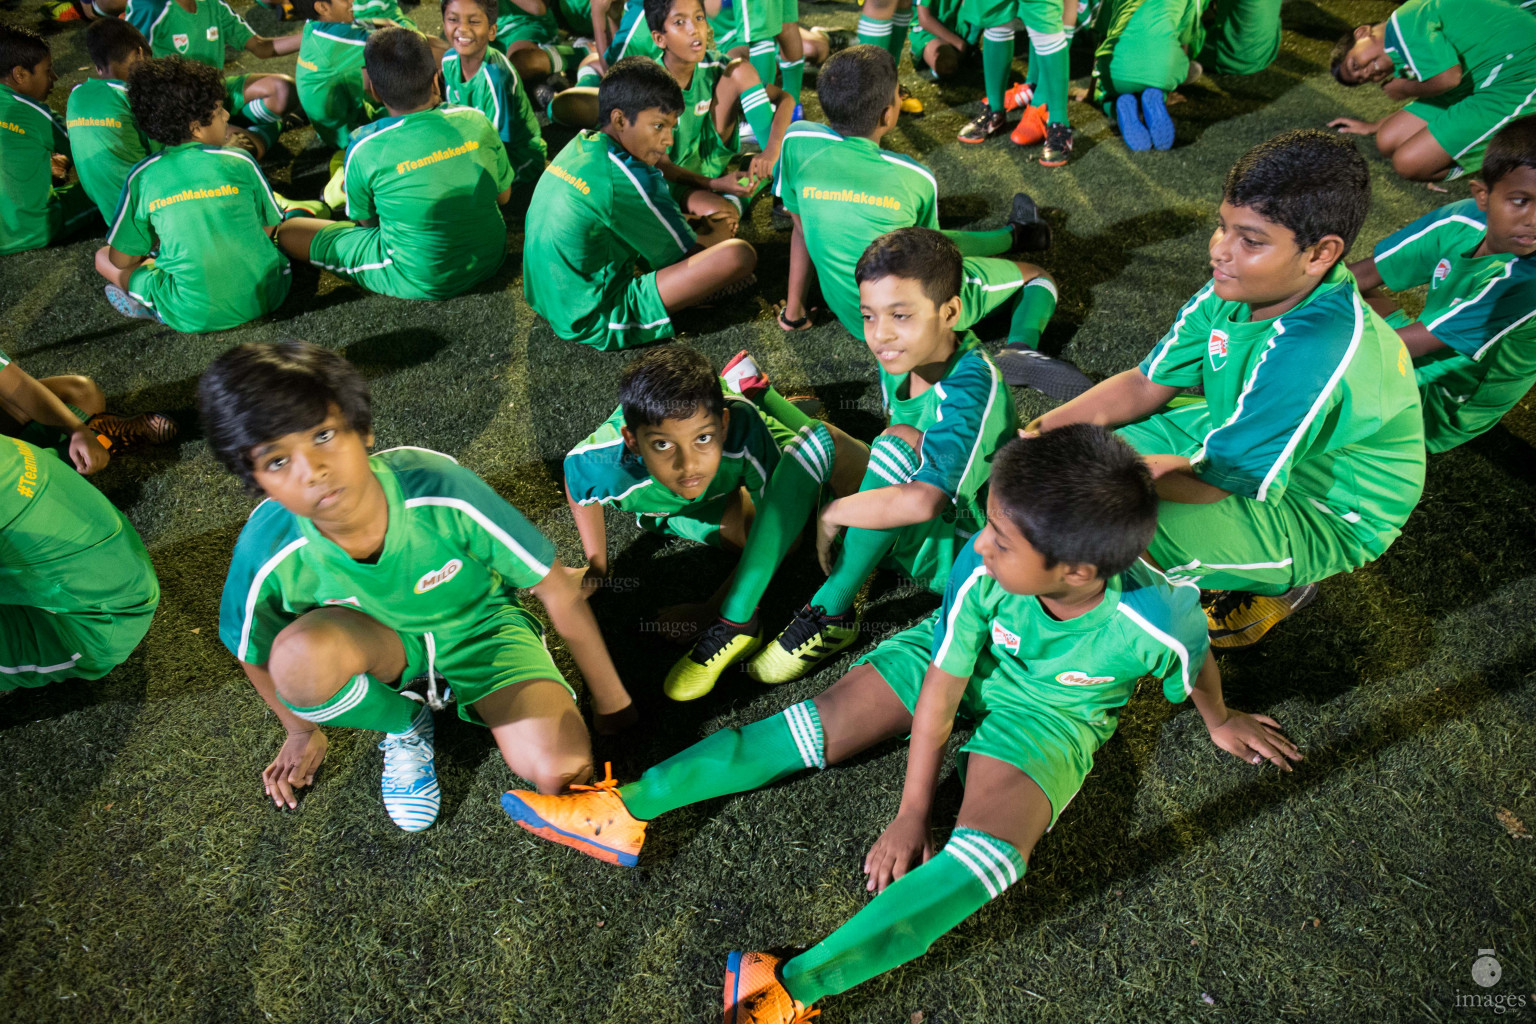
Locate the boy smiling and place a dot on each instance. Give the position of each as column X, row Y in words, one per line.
column 1306, row 455
column 475, row 75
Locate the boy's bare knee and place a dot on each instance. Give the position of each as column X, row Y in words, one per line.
column 1386, row 144
column 908, row 434
column 298, row 653
column 1408, row 167
column 80, row 392
column 560, row 773
column 742, row 257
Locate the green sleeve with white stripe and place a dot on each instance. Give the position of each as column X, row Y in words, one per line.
column 952, row 448
column 962, row 627
column 1415, row 40
column 251, row 614
column 1170, row 631
column 1407, row 258
column 131, row 232
column 1175, row 360
column 646, row 217
column 519, row 130
column 232, row 28
column 1495, row 312
column 761, row 447
column 522, row 564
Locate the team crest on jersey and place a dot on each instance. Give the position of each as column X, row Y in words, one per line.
column 1217, row 349
column 213, row 33
column 1442, row 271
column 701, row 108
column 437, row 577
column 1005, row 638
column 182, row 41
column 1082, row 679
column 353, row 601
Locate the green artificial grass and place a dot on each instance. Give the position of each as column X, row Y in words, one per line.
column 146, row 878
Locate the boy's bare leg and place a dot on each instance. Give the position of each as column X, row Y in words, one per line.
column 1422, row 158
column 695, row 278
column 859, row 711
column 81, row 392
column 850, row 460
column 294, row 235
column 943, row 58
column 711, row 216
column 278, row 92
column 531, row 63
column 540, row 733
column 1002, row 801
column 112, row 272
column 319, row 652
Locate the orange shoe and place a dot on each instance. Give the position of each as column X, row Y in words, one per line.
column 592, row 819
column 1018, row 96
column 755, row 994
column 1030, row 131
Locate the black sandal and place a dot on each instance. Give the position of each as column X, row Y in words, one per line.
column 794, row 325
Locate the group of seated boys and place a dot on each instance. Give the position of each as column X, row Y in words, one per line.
column 1274, row 437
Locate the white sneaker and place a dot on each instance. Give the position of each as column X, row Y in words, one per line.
column 411, row 793
column 742, row 375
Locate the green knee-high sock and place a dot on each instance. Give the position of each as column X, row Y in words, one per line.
column 785, row 411
column 759, row 113
column 1031, row 312
column 730, row 761
column 996, row 59
column 1050, row 54
column 903, row 921
column 561, row 57
column 788, row 503
column 764, row 57
column 981, row 243
column 363, row 703
column 900, row 22
column 891, row 461
column 875, row 32
column 792, row 74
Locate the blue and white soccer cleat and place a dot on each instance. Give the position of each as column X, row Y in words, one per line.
column 1154, row 111
column 1137, row 138
column 411, row 793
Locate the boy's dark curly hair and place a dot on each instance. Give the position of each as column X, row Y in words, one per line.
column 170, row 94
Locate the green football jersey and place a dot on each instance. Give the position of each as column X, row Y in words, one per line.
column 603, row 471
column 200, row 35
column 597, row 214
column 385, row 10
column 696, row 145
column 1489, row 39
column 1010, row 647
column 1320, row 398
column 848, row 192
column 432, row 179
column 201, row 211
column 633, row 38
column 455, row 553
column 329, row 75
column 63, row 547
column 1482, row 307
column 31, row 133
column 965, row 417
column 105, row 139
column 496, row 92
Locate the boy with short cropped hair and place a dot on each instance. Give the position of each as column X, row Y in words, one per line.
column 103, row 135
column 1469, row 68
column 364, row 574
column 329, row 76
column 692, row 462
column 1306, row 454
column 424, row 186
column 1049, row 622
column 602, row 209
column 190, row 243
column 34, row 212
column 1474, row 345
column 475, row 75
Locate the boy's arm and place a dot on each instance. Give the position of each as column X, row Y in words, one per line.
column 1126, row 396
column 800, row 272
column 21, row 392
column 602, row 28
column 1367, row 274
column 887, row 508
column 930, row 23
column 594, row 535
column 1251, row 738
column 1176, row 481
column 302, row 751
column 572, row 618
column 267, row 47
column 1408, row 89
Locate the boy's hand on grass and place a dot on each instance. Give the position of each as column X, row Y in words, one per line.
column 1353, row 126
column 903, row 845
column 1255, row 739
column 294, row 767
column 86, row 451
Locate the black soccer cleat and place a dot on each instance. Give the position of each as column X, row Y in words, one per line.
column 1023, row 367
column 1031, row 232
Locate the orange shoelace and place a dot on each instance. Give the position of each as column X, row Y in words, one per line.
column 607, row 783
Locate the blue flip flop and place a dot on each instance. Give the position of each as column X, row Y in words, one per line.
column 1154, row 110
column 1132, row 130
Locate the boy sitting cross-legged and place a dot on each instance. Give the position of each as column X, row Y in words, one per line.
column 690, row 461
column 1306, row 454
column 475, row 75
column 424, row 186
column 364, row 574
column 602, row 209
column 104, row 139
column 842, row 191
column 1474, row 345
column 190, row 242
column 1049, row 621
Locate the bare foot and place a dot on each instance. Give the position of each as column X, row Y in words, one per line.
column 1078, row 94
column 1174, row 98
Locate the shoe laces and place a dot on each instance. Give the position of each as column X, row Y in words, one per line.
column 1230, row 602
column 808, row 621
column 713, row 639
column 406, row 758
column 607, row 784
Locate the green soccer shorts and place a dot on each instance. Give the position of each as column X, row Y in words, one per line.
column 158, row 290
column 234, row 93
column 359, row 255
column 38, row 647
column 925, row 552
column 1051, row 747
column 1147, row 55
column 638, row 318
column 988, row 284
column 1238, row 543
column 1463, row 120
column 1042, row 17
column 520, row 26
column 764, row 20
column 506, row 649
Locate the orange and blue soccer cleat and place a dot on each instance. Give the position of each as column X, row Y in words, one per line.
column 592, row 819
column 755, row 993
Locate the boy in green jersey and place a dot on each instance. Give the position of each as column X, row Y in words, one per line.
column 190, row 244
column 329, row 76
column 842, row 191
column 1306, row 454
column 942, row 37
column 949, row 409
column 105, row 140
column 1048, row 69
column 201, row 30
column 602, row 209
column 1143, row 55
column 1474, row 345
column 474, row 75
column 424, row 186
column 716, row 95
column 363, row 575
column 1049, row 621
column 35, row 151
column 1243, row 37
column 77, row 590
column 690, row 461
column 1469, row 68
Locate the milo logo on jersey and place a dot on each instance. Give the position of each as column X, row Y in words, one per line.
column 1082, row 679
column 437, row 577
column 1442, row 271
column 1005, row 638
column 1216, row 348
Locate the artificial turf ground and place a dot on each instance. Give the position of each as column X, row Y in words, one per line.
column 145, row 878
